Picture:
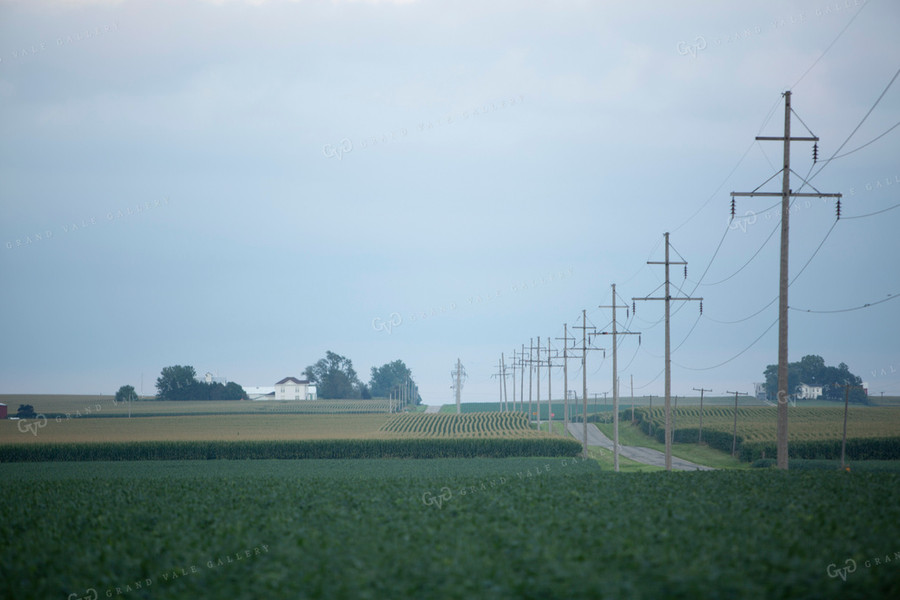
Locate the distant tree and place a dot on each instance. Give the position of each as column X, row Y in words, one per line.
column 334, row 377
column 177, row 383
column 126, row 393
column 234, row 392
column 812, row 370
column 26, row 411
column 388, row 378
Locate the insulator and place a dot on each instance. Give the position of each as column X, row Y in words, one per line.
column 732, row 207
column 633, row 307
column 815, row 151
column 685, row 271
column 639, row 340
column 839, row 209
column 701, row 307
column 626, row 313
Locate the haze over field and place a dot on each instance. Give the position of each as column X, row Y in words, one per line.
column 242, row 186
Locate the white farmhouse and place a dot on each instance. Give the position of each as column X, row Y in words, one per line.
column 809, row 392
column 291, row 388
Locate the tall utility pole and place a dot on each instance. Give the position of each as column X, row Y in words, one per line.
column 734, row 435
column 459, row 376
column 846, row 387
column 632, row 398
column 565, row 340
column 530, row 375
column 668, row 299
column 538, row 386
column 513, row 367
column 615, row 374
column 550, row 358
column 584, row 327
column 499, row 376
column 522, row 385
column 700, row 433
column 503, row 371
column 786, row 194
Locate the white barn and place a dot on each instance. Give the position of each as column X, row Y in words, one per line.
column 291, row 388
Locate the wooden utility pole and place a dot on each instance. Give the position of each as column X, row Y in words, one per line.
column 538, row 383
column 503, row 371
column 734, row 434
column 513, row 367
column 565, row 340
column 786, row 194
column 632, row 399
column 668, row 368
column 615, row 374
column 584, row 327
column 846, row 387
column 700, row 434
column 522, row 384
column 530, row 375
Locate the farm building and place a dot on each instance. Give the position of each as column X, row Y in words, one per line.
column 291, row 388
column 2, row 411
column 809, row 392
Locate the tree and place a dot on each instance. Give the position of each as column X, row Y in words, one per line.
column 388, row 378
column 26, row 411
column 812, row 370
column 177, row 383
column 126, row 393
column 334, row 377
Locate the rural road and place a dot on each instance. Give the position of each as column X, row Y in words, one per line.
column 432, row 408
column 637, row 453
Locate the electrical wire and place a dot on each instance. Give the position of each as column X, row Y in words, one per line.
column 753, row 343
column 847, row 26
column 878, row 212
column 843, row 310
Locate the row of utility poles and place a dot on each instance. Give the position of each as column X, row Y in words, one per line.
column 786, row 194
column 403, row 395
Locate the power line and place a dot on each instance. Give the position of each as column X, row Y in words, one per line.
column 725, row 362
column 833, row 42
column 851, row 309
column 878, row 212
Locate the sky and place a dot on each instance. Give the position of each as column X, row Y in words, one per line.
column 242, row 186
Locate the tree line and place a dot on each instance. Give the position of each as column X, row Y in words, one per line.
column 812, row 371
column 335, row 378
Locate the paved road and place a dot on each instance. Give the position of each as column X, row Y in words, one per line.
column 642, row 455
column 432, row 408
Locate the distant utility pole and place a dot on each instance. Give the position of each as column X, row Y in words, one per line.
column 503, row 371
column 846, row 387
column 522, row 384
column 584, row 349
column 734, row 435
column 565, row 340
column 700, row 434
column 786, row 194
column 499, row 376
column 513, row 368
column 668, row 299
column 459, row 376
column 615, row 373
column 632, row 398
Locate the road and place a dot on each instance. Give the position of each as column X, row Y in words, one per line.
column 636, row 453
column 432, row 408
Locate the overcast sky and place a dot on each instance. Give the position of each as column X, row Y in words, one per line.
column 242, row 186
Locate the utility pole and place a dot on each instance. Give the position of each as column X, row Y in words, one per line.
column 632, row 398
column 786, row 194
column 584, row 349
column 734, row 435
column 700, row 434
column 615, row 374
column 538, row 386
column 549, row 388
column 668, row 299
column 846, row 387
column 459, row 376
column 565, row 340
column 522, row 384
column 503, row 370
column 530, row 375
column 499, row 376
column 513, row 367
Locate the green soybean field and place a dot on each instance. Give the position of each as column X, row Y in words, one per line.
column 451, row 528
